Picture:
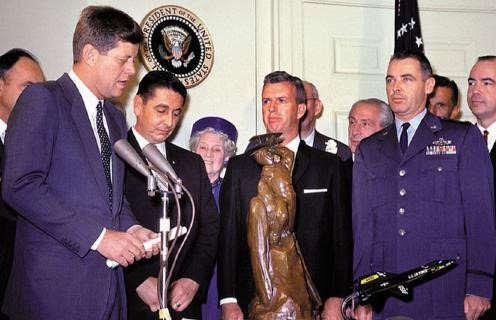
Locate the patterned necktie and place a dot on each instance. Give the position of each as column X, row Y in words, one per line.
column 106, row 149
column 404, row 137
column 486, row 134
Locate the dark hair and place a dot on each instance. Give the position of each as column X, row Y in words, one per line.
column 103, row 27
column 446, row 83
column 425, row 65
column 283, row 76
column 160, row 79
column 486, row 58
column 8, row 59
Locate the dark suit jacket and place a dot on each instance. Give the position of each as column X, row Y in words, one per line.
column 197, row 258
column 434, row 202
column 6, row 211
column 322, row 224
column 491, row 313
column 54, row 179
column 320, row 140
column 343, row 152
column 7, row 237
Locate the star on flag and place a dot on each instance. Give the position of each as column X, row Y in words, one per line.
column 408, row 35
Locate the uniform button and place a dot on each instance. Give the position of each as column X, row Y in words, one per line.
column 401, row 211
column 402, row 192
column 439, row 169
column 402, row 172
column 401, row 232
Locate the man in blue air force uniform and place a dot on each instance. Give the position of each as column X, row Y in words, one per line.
column 433, row 200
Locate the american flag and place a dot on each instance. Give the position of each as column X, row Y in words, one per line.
column 407, row 35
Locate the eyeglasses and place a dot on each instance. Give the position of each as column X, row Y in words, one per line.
column 306, row 100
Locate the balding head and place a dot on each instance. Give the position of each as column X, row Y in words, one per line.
column 314, row 109
column 366, row 117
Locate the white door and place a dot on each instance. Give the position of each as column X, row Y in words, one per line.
column 343, row 47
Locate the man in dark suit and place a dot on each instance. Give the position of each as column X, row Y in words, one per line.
column 18, row 69
column 414, row 201
column 322, row 224
column 158, row 106
column 310, row 135
column 481, row 98
column 67, row 187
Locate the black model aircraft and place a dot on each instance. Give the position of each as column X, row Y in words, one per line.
column 397, row 284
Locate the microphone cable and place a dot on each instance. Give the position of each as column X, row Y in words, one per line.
column 163, row 313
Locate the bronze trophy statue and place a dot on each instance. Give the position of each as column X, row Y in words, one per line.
column 284, row 289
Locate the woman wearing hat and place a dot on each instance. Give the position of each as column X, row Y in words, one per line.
column 214, row 139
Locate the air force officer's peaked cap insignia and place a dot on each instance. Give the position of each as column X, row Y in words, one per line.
column 178, row 41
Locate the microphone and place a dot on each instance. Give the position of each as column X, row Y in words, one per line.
column 128, row 154
column 158, row 160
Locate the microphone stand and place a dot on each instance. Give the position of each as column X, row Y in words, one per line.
column 164, row 251
column 166, row 191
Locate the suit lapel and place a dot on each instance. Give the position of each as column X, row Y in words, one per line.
column 82, row 123
column 2, row 157
column 302, row 159
column 389, row 144
column 493, row 155
column 319, row 141
column 133, row 142
column 424, row 136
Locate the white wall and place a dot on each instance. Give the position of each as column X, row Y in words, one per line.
column 43, row 27
column 309, row 38
column 46, row 27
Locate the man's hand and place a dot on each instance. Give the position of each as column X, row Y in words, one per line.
column 182, row 293
column 144, row 234
column 147, row 291
column 363, row 313
column 231, row 311
column 121, row 247
column 332, row 309
column 475, row 306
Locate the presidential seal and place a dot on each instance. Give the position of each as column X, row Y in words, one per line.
column 178, row 41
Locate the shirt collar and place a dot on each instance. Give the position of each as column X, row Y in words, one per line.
column 414, row 124
column 293, row 144
column 89, row 99
column 311, row 138
column 3, row 128
column 142, row 142
column 491, row 138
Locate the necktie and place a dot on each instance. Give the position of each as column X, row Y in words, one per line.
column 106, row 150
column 486, row 134
column 404, row 137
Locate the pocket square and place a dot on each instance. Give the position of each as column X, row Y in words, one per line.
column 314, row 190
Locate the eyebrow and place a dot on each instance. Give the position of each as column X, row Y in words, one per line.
column 483, row 79
column 401, row 75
